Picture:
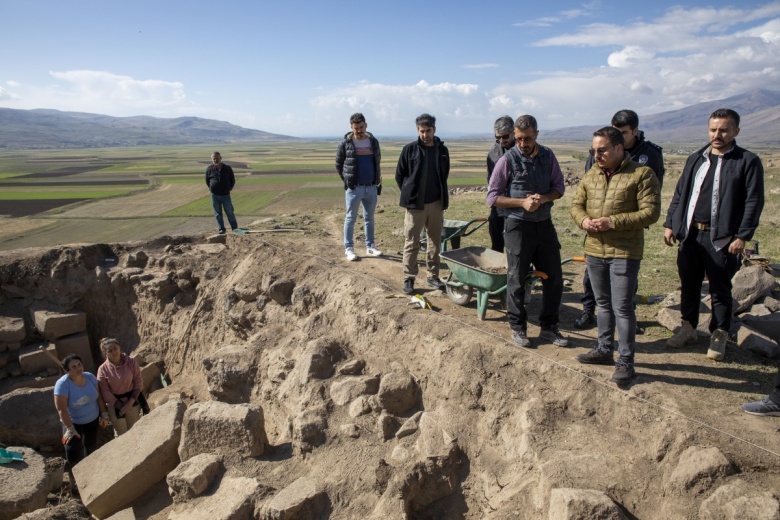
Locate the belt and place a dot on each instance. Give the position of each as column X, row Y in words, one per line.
column 701, row 226
column 366, row 184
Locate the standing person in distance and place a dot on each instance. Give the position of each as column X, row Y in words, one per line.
column 503, row 129
column 715, row 209
column 357, row 162
column 615, row 201
column 220, row 180
column 421, row 175
column 524, row 183
column 643, row 152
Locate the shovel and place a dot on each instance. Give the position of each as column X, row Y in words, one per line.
column 7, row 456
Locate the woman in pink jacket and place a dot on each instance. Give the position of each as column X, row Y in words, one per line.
column 119, row 378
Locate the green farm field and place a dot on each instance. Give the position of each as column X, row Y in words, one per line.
column 120, row 194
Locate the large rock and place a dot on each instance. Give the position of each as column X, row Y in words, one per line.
column 11, row 329
column 309, row 429
column 230, row 373
column 699, row 467
column 192, row 477
column 70, row 510
column 737, row 500
column 346, row 390
column 756, row 342
column 23, row 484
column 398, row 392
column 767, row 325
column 213, row 426
column 76, row 344
column 18, row 426
column 748, row 285
column 303, row 499
column 53, row 325
column 233, row 500
column 281, row 291
column 124, row 469
column 574, row 504
column 33, row 359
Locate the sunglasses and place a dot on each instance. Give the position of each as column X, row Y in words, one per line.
column 599, row 151
column 503, row 137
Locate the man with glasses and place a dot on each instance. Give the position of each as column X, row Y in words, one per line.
column 524, row 183
column 615, row 201
column 645, row 153
column 505, row 139
column 715, row 209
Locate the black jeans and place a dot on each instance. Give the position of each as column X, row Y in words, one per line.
column 537, row 243
column 77, row 448
column 589, row 297
column 696, row 258
column 496, row 230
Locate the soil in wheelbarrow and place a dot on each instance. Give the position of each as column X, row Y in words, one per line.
column 389, row 410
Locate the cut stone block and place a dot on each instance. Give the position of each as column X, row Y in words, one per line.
column 699, row 467
column 233, row 500
column 11, row 329
column 128, row 466
column 212, row 425
column 53, row 325
column 23, row 484
column 33, row 360
column 301, row 499
column 766, row 325
column 572, row 504
column 124, row 514
column 76, row 344
column 18, row 426
column 192, row 477
column 346, row 390
column 756, row 342
column 12, row 346
column 151, row 377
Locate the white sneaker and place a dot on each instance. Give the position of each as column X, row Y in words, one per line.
column 350, row 254
column 372, row 251
column 684, row 335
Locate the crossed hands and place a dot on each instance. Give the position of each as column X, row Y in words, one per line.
column 597, row 225
column 532, row 202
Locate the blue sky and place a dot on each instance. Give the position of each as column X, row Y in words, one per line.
column 301, row 67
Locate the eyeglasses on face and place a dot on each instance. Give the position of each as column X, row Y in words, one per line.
column 599, row 151
column 502, row 137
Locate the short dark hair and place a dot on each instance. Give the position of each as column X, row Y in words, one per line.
column 525, row 122
column 726, row 113
column 425, row 120
column 626, row 117
column 66, row 361
column 612, row 134
column 356, row 118
column 503, row 124
column 216, row 153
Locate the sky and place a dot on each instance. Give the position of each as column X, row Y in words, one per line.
column 302, row 68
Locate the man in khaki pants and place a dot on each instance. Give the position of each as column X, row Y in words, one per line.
column 421, row 175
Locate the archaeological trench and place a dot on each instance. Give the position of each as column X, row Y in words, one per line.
column 284, row 386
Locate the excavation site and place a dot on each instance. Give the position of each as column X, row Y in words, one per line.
column 286, row 383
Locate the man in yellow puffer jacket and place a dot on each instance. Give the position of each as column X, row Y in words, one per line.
column 614, row 203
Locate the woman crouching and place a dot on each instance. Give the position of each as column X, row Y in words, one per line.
column 120, row 384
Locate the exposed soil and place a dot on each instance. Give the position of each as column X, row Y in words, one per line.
column 525, row 420
column 23, row 208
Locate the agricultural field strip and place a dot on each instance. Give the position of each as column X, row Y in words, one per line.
column 148, row 203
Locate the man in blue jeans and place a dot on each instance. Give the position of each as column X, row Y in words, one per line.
column 614, row 203
column 357, row 161
column 220, row 180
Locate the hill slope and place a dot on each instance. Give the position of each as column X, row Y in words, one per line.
column 44, row 128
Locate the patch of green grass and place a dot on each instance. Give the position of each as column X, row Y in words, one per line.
column 244, row 203
column 65, row 194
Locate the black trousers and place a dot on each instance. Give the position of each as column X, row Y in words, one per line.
column 696, row 257
column 532, row 243
column 77, row 448
column 496, row 230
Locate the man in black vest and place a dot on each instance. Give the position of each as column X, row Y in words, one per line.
column 505, row 140
column 525, row 182
column 221, row 180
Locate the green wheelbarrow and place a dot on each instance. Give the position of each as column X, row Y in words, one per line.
column 452, row 231
column 483, row 270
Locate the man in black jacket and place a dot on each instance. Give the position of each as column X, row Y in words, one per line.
column 357, row 161
column 715, row 209
column 505, row 139
column 421, row 175
column 220, row 180
column 642, row 151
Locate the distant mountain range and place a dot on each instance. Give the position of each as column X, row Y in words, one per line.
column 759, row 113
column 44, row 129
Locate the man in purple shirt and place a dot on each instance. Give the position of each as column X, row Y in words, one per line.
column 525, row 182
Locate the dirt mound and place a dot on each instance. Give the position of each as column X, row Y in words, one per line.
column 389, row 410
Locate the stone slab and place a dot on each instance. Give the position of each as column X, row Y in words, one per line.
column 301, row 499
column 24, row 484
column 76, row 344
column 233, row 500
column 11, row 329
column 53, row 325
column 18, row 426
column 128, row 466
column 34, row 360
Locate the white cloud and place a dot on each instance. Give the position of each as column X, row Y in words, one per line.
column 586, row 10
column 628, row 56
column 6, row 95
column 12, row 83
column 477, row 66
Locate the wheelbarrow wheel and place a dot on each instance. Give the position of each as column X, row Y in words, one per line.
column 460, row 295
